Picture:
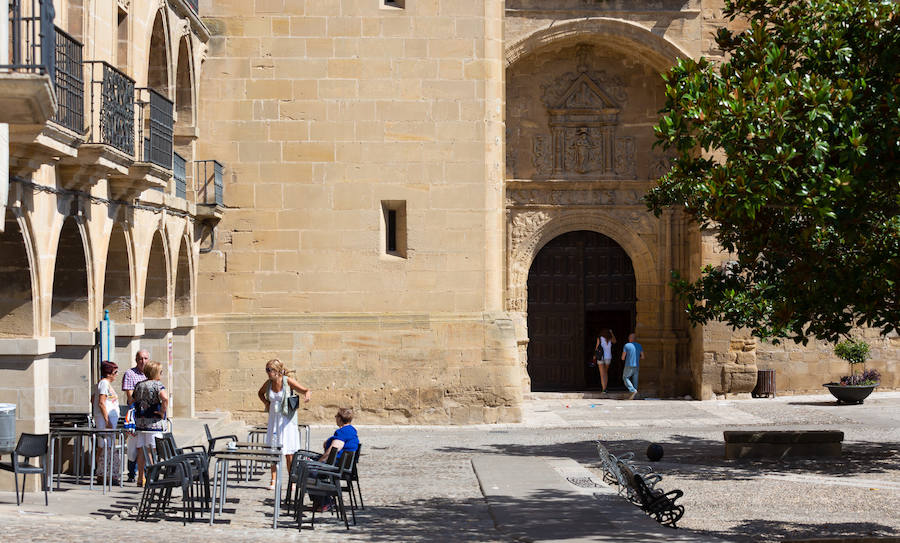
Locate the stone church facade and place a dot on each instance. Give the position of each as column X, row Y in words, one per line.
column 510, row 143
column 427, row 208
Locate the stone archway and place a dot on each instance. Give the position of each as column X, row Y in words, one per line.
column 579, row 283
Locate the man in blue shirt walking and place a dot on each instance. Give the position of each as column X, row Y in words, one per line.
column 632, row 354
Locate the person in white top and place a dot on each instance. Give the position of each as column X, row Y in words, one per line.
column 281, row 430
column 603, row 351
column 106, row 414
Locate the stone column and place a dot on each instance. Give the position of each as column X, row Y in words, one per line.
column 24, row 381
column 157, row 339
column 183, row 374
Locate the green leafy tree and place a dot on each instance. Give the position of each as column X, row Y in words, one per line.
column 789, row 152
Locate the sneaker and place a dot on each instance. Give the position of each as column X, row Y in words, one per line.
column 130, row 479
column 323, row 508
column 632, row 395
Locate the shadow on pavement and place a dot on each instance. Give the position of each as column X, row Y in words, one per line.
column 765, row 531
column 704, row 458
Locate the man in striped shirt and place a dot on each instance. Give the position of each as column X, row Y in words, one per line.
column 131, row 378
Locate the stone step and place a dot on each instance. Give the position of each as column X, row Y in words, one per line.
column 582, row 395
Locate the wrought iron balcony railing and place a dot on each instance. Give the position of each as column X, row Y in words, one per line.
column 112, row 107
column 69, row 82
column 32, row 37
column 179, row 172
column 210, row 186
column 156, row 125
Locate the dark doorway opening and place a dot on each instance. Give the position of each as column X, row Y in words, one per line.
column 579, row 283
column 621, row 322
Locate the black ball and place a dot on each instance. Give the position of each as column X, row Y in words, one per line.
column 655, row 452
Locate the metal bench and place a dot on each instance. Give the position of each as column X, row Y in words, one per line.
column 658, row 504
column 612, row 473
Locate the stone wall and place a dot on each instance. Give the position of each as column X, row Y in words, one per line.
column 333, row 114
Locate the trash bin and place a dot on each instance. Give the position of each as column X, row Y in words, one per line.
column 7, row 427
column 765, row 384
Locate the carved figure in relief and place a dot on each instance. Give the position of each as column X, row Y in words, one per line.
column 582, row 145
column 540, row 154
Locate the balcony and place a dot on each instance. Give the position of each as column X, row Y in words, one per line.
column 209, row 177
column 108, row 149
column 156, row 123
column 36, row 144
column 179, row 172
column 26, row 85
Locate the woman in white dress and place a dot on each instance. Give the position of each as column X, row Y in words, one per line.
column 603, row 352
column 106, row 415
column 282, row 430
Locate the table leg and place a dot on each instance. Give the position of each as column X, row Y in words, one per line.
column 93, row 459
column 51, row 462
column 224, row 487
column 212, row 501
column 277, row 491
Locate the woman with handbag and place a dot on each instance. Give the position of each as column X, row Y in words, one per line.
column 151, row 401
column 277, row 394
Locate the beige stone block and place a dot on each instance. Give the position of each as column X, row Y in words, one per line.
column 450, row 69
column 264, row 110
column 320, row 47
column 288, row 130
column 242, row 261
column 274, row 89
column 332, row 131
column 281, row 26
column 284, row 47
column 346, row 47
column 294, row 172
column 338, row 88
column 415, row 48
column 300, row 68
column 371, row 26
column 308, row 26
column 343, row 26
column 307, row 197
column 308, row 152
column 242, row 47
column 381, row 48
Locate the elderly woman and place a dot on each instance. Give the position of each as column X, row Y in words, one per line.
column 282, row 430
column 150, row 404
column 106, row 415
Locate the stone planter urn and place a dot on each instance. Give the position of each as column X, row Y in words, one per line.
column 852, row 394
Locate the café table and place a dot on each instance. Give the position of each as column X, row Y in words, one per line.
column 116, row 435
column 245, row 454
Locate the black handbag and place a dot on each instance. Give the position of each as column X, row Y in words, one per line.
column 293, row 402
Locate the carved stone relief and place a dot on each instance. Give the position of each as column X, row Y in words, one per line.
column 583, row 109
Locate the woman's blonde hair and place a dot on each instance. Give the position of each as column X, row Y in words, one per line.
column 152, row 370
column 278, row 366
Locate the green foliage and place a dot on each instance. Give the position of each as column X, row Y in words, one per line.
column 790, row 153
column 854, row 352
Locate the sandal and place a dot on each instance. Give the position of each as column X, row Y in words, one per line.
column 272, row 485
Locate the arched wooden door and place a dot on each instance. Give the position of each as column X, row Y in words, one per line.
column 578, row 284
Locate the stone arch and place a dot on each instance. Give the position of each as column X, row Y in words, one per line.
column 18, row 280
column 156, row 283
column 531, row 230
column 118, row 295
column 70, row 307
column 184, row 278
column 159, row 57
column 618, row 34
column 184, row 83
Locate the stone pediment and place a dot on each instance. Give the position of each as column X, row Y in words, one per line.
column 584, row 95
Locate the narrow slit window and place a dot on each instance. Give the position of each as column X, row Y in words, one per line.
column 396, row 4
column 393, row 228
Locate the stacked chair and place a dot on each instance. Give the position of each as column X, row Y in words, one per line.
column 176, row 467
column 29, row 446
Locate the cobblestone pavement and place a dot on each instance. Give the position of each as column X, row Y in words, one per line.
column 418, row 482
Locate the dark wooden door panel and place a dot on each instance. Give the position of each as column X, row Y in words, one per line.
column 578, row 282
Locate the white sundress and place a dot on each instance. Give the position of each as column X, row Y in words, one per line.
column 281, row 430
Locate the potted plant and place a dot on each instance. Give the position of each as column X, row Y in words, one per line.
column 857, row 386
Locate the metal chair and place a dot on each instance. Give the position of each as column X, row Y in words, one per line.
column 353, row 477
column 347, row 464
column 162, row 478
column 294, row 469
column 211, row 441
column 29, row 446
column 197, row 463
column 318, row 480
